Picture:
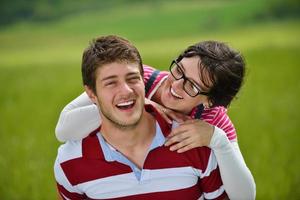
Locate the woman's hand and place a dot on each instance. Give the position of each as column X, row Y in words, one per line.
column 168, row 114
column 190, row 134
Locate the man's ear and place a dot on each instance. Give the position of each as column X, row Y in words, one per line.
column 91, row 94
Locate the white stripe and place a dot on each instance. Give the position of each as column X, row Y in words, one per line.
column 220, row 120
column 156, row 87
column 212, row 165
column 214, row 194
column 61, row 178
column 70, row 150
column 201, row 198
column 227, row 126
column 226, row 122
column 151, row 181
column 65, row 196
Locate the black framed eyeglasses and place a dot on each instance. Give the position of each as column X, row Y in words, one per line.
column 188, row 86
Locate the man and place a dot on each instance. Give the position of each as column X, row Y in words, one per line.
column 126, row 159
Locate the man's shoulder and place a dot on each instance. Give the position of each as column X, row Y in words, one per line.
column 70, row 150
column 88, row 147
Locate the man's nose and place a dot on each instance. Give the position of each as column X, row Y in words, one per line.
column 125, row 88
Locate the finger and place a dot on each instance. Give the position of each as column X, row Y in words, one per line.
column 176, row 131
column 175, row 139
column 181, row 144
column 186, row 148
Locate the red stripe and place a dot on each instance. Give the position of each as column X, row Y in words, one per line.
column 157, row 80
column 212, row 182
column 70, row 195
column 222, row 196
column 92, row 165
column 221, row 120
column 164, row 126
column 91, row 148
column 147, row 72
column 197, row 158
column 81, row 170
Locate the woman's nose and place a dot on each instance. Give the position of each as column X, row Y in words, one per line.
column 178, row 84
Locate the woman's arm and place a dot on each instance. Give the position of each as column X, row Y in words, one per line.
column 78, row 119
column 237, row 178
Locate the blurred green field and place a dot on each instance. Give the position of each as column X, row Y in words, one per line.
column 40, row 73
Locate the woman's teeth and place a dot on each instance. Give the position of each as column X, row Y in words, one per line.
column 175, row 94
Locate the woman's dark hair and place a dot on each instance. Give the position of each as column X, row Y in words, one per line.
column 225, row 67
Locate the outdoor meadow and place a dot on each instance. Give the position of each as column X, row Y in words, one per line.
column 40, row 60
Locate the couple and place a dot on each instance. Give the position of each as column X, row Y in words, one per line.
column 139, row 152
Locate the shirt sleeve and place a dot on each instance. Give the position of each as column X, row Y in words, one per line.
column 79, row 118
column 157, row 78
column 237, row 178
column 218, row 117
column 64, row 187
column 211, row 182
column 148, row 71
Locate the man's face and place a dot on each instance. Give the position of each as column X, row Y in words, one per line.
column 120, row 93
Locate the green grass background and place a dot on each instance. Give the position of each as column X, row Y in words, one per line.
column 40, row 73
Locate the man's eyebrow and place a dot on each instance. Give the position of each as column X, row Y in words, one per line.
column 133, row 73
column 115, row 76
column 109, row 77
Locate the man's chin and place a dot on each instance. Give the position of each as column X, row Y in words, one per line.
column 128, row 122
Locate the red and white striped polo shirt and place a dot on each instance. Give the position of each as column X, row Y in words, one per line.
column 84, row 171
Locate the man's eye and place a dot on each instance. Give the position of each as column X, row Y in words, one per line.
column 134, row 79
column 110, row 83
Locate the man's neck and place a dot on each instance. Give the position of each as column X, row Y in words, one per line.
column 133, row 142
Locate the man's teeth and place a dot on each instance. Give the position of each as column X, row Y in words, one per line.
column 175, row 94
column 127, row 103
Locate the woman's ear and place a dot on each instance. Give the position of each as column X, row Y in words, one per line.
column 91, row 94
column 207, row 104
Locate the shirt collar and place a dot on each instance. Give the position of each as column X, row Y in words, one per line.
column 110, row 153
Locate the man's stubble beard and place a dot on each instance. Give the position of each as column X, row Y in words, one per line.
column 118, row 124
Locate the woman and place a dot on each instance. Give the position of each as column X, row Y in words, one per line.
column 202, row 82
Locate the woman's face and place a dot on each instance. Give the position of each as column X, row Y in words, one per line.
column 174, row 96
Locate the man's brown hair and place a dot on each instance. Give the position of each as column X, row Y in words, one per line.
column 106, row 50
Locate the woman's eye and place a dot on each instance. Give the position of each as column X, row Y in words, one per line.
column 195, row 89
column 178, row 70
